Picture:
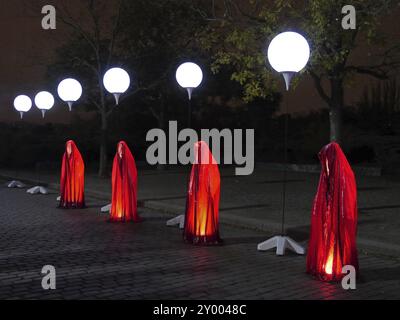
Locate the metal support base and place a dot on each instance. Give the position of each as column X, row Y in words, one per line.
column 179, row 220
column 37, row 190
column 16, row 184
column 281, row 243
column 106, row 209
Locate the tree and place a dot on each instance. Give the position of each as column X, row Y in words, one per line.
column 158, row 36
column 148, row 38
column 239, row 31
column 89, row 53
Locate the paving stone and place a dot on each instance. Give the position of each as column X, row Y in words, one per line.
column 99, row 260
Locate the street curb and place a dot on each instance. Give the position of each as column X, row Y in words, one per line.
column 273, row 228
column 311, row 168
column 269, row 227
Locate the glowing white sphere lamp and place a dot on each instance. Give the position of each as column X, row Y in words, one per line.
column 44, row 101
column 288, row 53
column 69, row 90
column 22, row 104
column 189, row 76
column 116, row 81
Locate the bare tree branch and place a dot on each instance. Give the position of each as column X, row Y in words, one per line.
column 114, row 33
column 87, row 64
column 97, row 105
column 379, row 74
column 68, row 20
column 154, row 113
column 318, row 86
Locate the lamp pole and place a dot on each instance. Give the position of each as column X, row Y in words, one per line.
column 189, row 121
column 287, row 76
column 22, row 104
column 189, row 113
column 285, row 163
column 44, row 101
column 288, row 53
column 189, row 76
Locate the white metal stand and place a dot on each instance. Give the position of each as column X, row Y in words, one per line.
column 281, row 243
column 179, row 220
column 37, row 190
column 106, row 209
column 58, row 198
column 16, row 184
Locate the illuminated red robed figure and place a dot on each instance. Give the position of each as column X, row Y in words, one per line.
column 202, row 202
column 72, row 182
column 124, row 186
column 334, row 217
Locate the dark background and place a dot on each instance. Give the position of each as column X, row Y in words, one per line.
column 34, row 59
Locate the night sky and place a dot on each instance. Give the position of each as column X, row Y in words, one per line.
column 27, row 49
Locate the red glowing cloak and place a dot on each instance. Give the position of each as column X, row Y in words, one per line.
column 334, row 218
column 72, row 182
column 124, row 186
column 202, row 202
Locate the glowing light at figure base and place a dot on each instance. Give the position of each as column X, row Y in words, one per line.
column 329, row 264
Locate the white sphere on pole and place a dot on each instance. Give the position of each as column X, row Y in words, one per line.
column 69, row 90
column 44, row 101
column 288, row 52
column 22, row 104
column 117, row 82
column 189, row 75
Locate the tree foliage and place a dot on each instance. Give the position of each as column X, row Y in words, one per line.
column 239, row 32
column 240, row 37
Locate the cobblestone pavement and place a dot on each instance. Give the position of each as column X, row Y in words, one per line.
column 256, row 200
column 99, row 260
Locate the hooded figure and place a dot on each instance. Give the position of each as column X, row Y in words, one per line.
column 124, row 186
column 334, row 218
column 202, row 202
column 72, row 182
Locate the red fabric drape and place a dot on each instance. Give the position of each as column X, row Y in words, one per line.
column 334, row 217
column 124, row 186
column 202, row 202
column 72, row 182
